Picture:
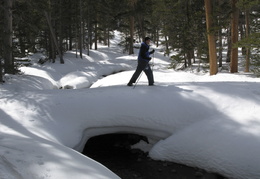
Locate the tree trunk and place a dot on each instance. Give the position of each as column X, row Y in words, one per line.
column 189, row 57
column 96, row 32
column 220, row 48
column 1, row 74
column 141, row 25
column 88, row 26
column 54, row 36
column 234, row 37
column 131, row 39
column 81, row 30
column 108, row 38
column 247, row 48
column 90, row 34
column 229, row 45
column 8, row 44
column 241, row 31
column 211, row 38
column 60, row 35
column 167, row 51
column 52, row 54
column 70, row 37
column 157, row 37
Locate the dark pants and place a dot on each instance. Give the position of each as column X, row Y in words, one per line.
column 143, row 66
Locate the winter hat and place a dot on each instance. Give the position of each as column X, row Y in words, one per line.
column 147, row 38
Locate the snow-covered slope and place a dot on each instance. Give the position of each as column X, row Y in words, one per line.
column 211, row 122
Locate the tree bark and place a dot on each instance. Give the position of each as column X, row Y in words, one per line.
column 1, row 74
column 8, row 33
column 131, row 39
column 89, row 27
column 108, row 38
column 52, row 53
column 81, row 30
column 189, row 57
column 234, row 37
column 241, row 31
column 70, row 37
column 220, row 59
column 211, row 38
column 228, row 59
column 157, row 37
column 54, row 37
column 96, row 34
column 247, row 48
column 167, row 50
column 60, row 35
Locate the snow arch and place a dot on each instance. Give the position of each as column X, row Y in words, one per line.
column 152, row 135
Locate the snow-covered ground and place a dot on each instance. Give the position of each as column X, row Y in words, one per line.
column 48, row 113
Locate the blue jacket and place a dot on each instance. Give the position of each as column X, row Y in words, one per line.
column 144, row 53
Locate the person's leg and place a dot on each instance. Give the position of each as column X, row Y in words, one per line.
column 149, row 74
column 140, row 67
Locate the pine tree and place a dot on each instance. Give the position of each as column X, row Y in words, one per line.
column 179, row 25
column 246, row 6
column 131, row 4
column 222, row 10
column 8, row 34
column 211, row 37
column 182, row 27
column 1, row 39
column 234, row 37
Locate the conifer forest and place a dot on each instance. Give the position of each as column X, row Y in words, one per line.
column 199, row 30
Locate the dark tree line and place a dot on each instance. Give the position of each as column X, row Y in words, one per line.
column 193, row 28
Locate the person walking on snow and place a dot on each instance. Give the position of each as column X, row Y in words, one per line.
column 143, row 63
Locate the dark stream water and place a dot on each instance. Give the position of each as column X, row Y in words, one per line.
column 114, row 151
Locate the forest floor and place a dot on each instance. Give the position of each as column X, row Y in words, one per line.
column 135, row 164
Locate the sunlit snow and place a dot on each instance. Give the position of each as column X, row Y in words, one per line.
column 48, row 113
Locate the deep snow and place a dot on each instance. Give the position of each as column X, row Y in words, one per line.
column 211, row 122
